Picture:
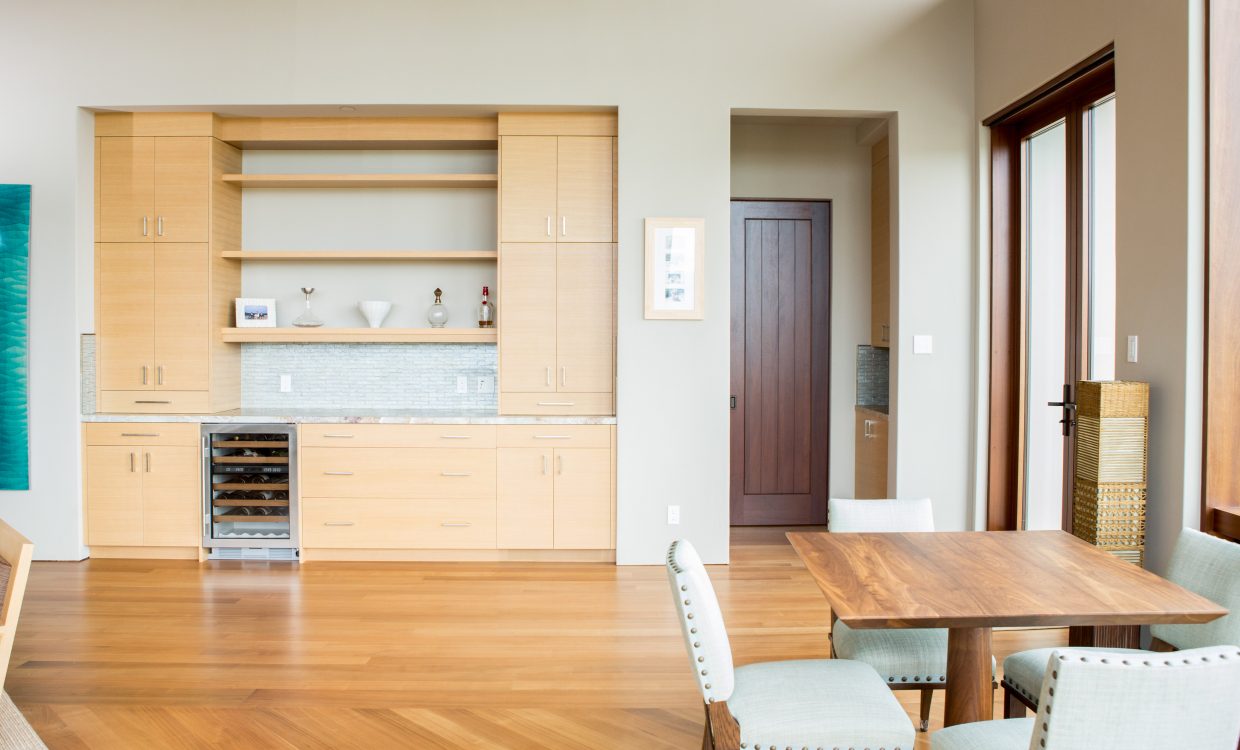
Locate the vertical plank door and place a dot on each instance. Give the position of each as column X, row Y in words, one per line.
column 126, row 316
column 525, row 502
column 780, row 361
column 527, row 282
column 585, row 338
column 585, row 189
column 182, row 339
column 171, row 496
column 114, row 495
column 182, row 189
column 126, row 189
column 582, row 498
column 527, row 188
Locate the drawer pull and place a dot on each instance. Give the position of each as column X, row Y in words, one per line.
column 456, row 524
column 454, row 437
column 337, row 523
column 338, row 473
column 456, row 473
column 150, row 401
column 553, row 437
column 139, row 434
column 557, row 403
column 336, row 435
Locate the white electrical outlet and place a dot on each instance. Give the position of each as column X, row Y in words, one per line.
column 1132, row 348
column 486, row 384
column 286, row 384
column 462, row 384
column 673, row 515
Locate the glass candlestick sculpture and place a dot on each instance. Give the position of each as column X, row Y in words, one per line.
column 437, row 315
column 308, row 319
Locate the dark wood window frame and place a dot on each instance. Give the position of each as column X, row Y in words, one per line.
column 1067, row 96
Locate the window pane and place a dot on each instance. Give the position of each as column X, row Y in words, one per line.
column 1100, row 237
column 1045, row 207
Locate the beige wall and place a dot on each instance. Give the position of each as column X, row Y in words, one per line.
column 821, row 160
column 1160, row 207
column 674, row 70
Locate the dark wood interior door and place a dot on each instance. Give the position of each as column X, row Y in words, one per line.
column 781, row 308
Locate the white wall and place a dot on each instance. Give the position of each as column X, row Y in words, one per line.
column 675, row 70
column 819, row 159
column 1159, row 202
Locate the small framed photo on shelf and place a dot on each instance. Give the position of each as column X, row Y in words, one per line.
column 256, row 313
column 675, row 263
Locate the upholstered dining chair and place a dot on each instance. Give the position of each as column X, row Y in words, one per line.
column 814, row 703
column 1200, row 563
column 1121, row 701
column 907, row 658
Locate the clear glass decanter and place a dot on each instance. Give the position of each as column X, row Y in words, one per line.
column 308, row 319
column 437, row 315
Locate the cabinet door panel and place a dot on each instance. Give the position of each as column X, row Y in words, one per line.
column 527, row 188
column 584, row 325
column 182, row 184
column 126, row 189
column 181, row 316
column 880, row 254
column 526, row 498
column 114, row 495
column 527, row 282
column 871, row 457
column 126, row 316
column 171, row 496
column 584, row 194
column 583, row 498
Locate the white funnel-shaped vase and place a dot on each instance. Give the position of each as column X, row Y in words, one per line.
column 375, row 311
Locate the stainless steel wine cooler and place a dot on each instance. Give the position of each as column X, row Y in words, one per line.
column 250, row 506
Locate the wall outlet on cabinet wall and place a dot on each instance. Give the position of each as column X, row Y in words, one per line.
column 673, row 515
column 486, row 384
column 286, row 384
column 462, row 384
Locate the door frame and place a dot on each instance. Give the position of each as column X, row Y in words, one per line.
column 1075, row 89
column 820, row 380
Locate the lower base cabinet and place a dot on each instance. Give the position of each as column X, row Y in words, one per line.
column 871, row 454
column 385, row 523
column 554, row 498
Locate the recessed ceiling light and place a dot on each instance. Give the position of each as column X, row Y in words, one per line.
column 348, row 109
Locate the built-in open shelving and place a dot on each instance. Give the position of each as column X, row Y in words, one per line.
column 401, row 255
column 359, row 335
column 362, row 180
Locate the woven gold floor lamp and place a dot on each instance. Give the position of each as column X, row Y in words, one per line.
column 1109, row 494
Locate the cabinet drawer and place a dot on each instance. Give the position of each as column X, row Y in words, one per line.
column 397, row 436
column 555, row 436
column 154, row 402
column 398, row 523
column 557, row 404
column 421, row 473
column 141, row 433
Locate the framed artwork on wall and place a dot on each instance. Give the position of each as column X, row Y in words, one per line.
column 14, row 337
column 675, row 263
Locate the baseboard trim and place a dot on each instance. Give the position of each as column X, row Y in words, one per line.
column 459, row 555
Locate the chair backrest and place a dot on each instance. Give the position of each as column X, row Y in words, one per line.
column 701, row 622
column 15, row 553
column 880, row 515
column 1118, row 701
column 1208, row 566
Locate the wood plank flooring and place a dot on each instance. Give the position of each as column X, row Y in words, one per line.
column 172, row 654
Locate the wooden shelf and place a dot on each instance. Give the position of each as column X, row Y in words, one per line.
column 249, row 443
column 256, row 503
column 362, row 180
column 359, row 335
column 251, row 519
column 246, row 486
column 279, row 255
column 249, row 459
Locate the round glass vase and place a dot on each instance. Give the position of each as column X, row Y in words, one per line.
column 437, row 315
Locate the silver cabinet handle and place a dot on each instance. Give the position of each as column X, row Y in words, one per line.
column 337, row 523
column 338, row 473
column 559, row 463
column 544, row 459
column 151, row 401
column 139, row 434
column 131, row 462
column 557, row 403
column 148, row 462
column 886, row 329
column 553, row 437
column 143, row 226
column 564, row 226
column 337, row 435
column 548, row 376
column 159, row 375
column 144, row 375
column 548, row 225
column 159, row 226
column 456, row 523
column 456, row 473
column 563, row 375
column 866, row 429
column 454, row 437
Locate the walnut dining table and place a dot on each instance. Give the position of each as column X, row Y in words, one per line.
column 972, row 581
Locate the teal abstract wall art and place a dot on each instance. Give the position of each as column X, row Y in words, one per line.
column 14, row 336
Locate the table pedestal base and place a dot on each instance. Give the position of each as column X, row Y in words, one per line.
column 969, row 678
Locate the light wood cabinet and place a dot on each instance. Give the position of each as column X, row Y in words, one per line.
column 582, row 498
column 154, row 189
column 556, row 188
column 880, row 245
column 382, row 523
column 182, row 189
column 525, row 515
column 142, row 486
column 125, row 189
column 527, row 328
column 420, row 473
column 585, row 339
column 584, row 188
column 871, row 454
column 527, row 186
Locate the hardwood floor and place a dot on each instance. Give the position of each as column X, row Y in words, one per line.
column 171, row 654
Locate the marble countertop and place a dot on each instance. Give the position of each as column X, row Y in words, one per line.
column 346, row 416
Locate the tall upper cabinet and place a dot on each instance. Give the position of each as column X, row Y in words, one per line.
column 557, row 205
column 163, row 218
column 880, row 244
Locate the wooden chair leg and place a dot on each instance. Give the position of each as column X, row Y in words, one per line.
column 722, row 731
column 1013, row 707
column 706, row 743
column 927, row 697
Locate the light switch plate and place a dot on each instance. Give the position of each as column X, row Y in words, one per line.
column 486, row 384
column 462, row 384
column 1132, row 348
column 673, row 515
column 923, row 344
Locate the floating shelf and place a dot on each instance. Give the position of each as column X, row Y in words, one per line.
column 362, row 180
column 358, row 335
column 361, row 254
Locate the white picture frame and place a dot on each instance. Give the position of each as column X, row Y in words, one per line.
column 675, row 268
column 255, row 312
